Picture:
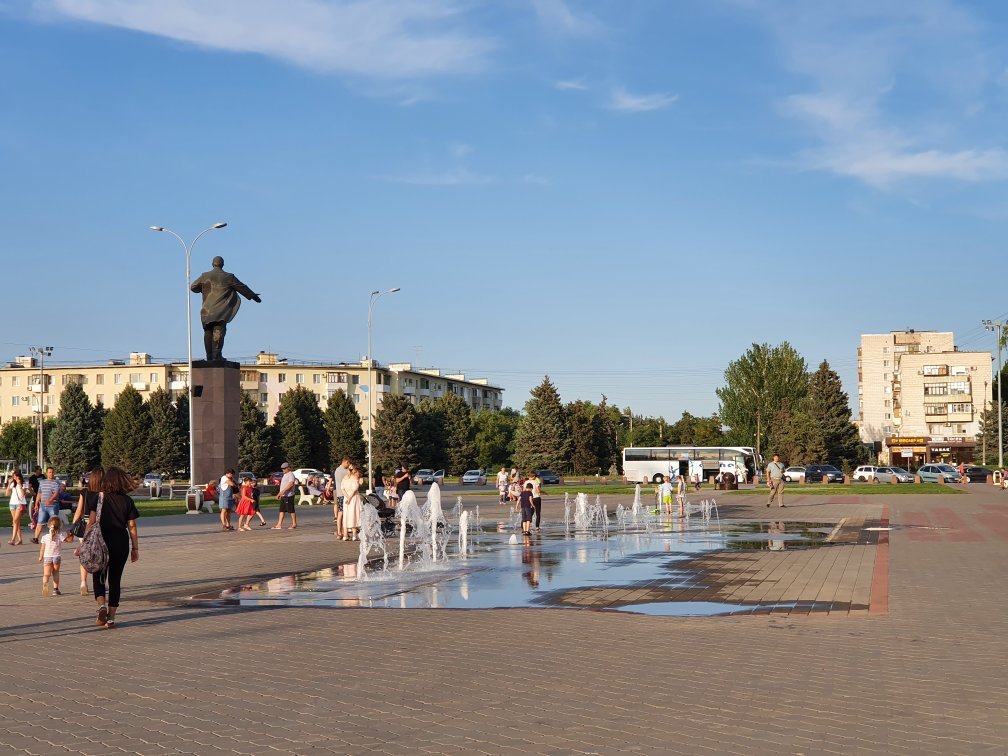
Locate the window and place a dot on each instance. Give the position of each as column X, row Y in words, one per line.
column 958, row 387
column 100, row 379
column 959, row 370
column 424, row 383
column 885, row 376
column 388, row 380
column 264, row 398
column 298, row 377
column 316, row 378
column 136, row 377
column 356, row 397
column 886, row 402
column 15, row 401
column 935, row 370
column 355, row 379
column 959, row 407
column 115, row 398
column 885, row 350
column 153, row 378
column 117, row 379
column 888, row 389
column 15, row 380
column 935, row 409
column 100, row 398
column 281, row 377
column 885, row 363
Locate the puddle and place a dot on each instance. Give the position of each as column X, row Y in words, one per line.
column 644, row 571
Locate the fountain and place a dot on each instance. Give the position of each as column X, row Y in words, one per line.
column 411, row 517
column 463, row 534
column 371, row 539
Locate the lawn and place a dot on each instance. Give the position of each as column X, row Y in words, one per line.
column 856, row 489
column 146, row 509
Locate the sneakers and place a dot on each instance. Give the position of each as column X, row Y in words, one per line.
column 56, row 592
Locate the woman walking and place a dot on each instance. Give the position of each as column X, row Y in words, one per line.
column 118, row 527
column 18, row 506
column 92, row 488
column 351, row 504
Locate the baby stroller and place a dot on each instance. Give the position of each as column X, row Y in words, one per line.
column 385, row 513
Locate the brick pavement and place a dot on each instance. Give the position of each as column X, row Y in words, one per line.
column 928, row 676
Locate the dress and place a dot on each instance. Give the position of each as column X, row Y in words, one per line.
column 351, row 502
column 246, row 505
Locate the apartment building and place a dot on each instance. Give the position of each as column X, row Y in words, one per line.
column 919, row 397
column 26, row 392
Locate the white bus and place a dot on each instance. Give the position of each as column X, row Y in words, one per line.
column 651, row 464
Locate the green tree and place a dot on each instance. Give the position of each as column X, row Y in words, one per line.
column 987, row 439
column 757, row 385
column 182, row 415
column 690, row 430
column 828, row 407
column 493, row 434
column 604, row 436
column 127, row 430
column 19, row 440
column 430, row 434
column 167, row 450
column 797, row 438
column 542, row 440
column 301, row 434
column 394, row 438
column 584, row 445
column 460, row 451
column 343, row 426
column 75, row 444
column 255, row 438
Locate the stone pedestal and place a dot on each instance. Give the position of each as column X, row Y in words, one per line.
column 216, row 397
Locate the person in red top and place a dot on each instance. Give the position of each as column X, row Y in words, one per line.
column 246, row 505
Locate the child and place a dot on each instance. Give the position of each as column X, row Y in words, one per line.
column 50, row 554
column 665, row 489
column 246, row 505
column 681, row 495
column 526, row 508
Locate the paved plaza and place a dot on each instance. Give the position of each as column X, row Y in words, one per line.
column 886, row 641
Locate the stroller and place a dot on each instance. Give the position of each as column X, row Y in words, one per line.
column 385, row 513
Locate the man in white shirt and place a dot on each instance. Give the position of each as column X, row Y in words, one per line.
column 338, row 474
column 536, row 483
column 286, row 497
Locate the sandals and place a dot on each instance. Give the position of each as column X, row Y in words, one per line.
column 102, row 617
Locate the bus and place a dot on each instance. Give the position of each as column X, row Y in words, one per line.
column 652, row 464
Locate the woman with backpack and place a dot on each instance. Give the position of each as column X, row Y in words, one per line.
column 114, row 513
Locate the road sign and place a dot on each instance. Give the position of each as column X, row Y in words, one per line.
column 907, row 453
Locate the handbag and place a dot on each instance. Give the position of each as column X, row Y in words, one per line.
column 94, row 554
column 79, row 528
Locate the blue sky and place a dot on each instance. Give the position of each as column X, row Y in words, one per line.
column 624, row 195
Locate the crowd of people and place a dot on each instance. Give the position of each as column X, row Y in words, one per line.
column 524, row 492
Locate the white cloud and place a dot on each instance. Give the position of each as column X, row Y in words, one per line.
column 624, row 101
column 388, row 39
column 571, row 84
column 892, row 85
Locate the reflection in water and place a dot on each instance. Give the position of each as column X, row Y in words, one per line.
column 553, row 568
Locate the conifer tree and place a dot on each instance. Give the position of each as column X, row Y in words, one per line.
column 74, row 445
column 431, row 434
column 302, row 437
column 394, row 440
column 542, row 440
column 604, row 431
column 255, row 438
column 457, row 434
column 167, row 448
column 827, row 406
column 584, row 444
column 127, row 429
column 343, row 426
column 797, row 438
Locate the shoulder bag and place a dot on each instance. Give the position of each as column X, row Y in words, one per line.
column 94, row 554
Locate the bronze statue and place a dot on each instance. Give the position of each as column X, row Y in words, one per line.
column 220, row 291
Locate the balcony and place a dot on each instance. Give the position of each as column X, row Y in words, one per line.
column 178, row 385
column 140, row 385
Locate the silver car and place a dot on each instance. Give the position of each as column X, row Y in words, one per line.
column 889, row 474
column 794, row 474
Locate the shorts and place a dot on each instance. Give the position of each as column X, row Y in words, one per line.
column 666, row 498
column 226, row 504
column 52, row 560
column 15, row 507
column 287, row 504
column 45, row 513
column 526, row 514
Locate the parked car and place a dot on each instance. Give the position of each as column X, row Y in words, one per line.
column 548, row 477
column 150, row 479
column 64, row 479
column 794, row 474
column 474, row 477
column 302, row 474
column 867, row 473
column 930, row 473
column 246, row 475
column 977, row 474
column 823, row 474
column 274, row 478
column 425, row 476
column 888, row 474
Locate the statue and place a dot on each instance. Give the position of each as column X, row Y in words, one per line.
column 220, row 304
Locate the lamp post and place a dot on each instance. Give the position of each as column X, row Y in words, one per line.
column 375, row 295
column 188, row 264
column 997, row 325
column 42, row 352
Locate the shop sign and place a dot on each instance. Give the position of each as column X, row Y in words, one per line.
column 907, row 440
column 940, row 449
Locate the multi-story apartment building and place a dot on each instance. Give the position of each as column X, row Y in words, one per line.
column 23, row 393
column 920, row 398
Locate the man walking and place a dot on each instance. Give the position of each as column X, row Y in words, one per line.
column 775, row 480
column 286, row 498
column 47, row 501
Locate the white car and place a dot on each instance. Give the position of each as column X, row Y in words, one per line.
column 302, row 474
column 794, row 474
column 474, row 477
column 867, row 473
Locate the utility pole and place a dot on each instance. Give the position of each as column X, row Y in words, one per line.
column 42, row 352
column 997, row 325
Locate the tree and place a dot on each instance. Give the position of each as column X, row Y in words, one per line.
column 255, row 438
column 394, row 439
column 828, row 407
column 690, row 430
column 127, row 429
column 166, row 444
column 584, row 445
column 430, row 434
column 757, row 385
column 301, row 434
column 182, row 415
column 542, row 440
column 343, row 426
column 987, row 438
column 493, row 434
column 797, row 438
column 19, row 440
column 460, row 451
column 75, row 444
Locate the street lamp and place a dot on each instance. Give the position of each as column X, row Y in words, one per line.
column 42, row 352
column 997, row 325
column 759, row 423
column 375, row 295
column 188, row 257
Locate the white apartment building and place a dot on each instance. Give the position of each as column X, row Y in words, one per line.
column 919, row 398
column 24, row 394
